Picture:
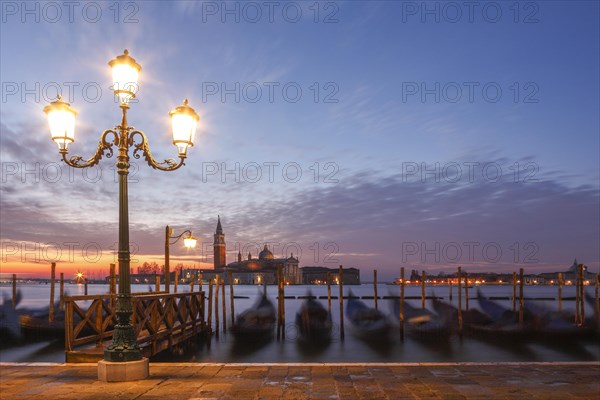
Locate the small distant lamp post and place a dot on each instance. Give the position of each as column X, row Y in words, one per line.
column 189, row 242
column 61, row 118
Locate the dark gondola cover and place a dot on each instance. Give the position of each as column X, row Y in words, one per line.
column 313, row 321
column 367, row 323
column 257, row 323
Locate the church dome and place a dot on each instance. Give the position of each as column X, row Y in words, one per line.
column 265, row 254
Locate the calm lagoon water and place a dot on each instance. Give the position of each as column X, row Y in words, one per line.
column 351, row 349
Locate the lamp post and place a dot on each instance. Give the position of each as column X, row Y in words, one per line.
column 189, row 242
column 61, row 118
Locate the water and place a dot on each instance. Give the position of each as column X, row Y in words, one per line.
column 351, row 349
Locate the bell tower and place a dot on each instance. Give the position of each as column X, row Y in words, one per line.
column 219, row 246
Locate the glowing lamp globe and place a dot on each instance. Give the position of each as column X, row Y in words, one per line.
column 125, row 74
column 184, row 121
column 190, row 242
column 61, row 118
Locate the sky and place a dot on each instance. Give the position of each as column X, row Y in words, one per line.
column 370, row 134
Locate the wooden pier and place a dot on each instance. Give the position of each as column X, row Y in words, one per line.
column 160, row 321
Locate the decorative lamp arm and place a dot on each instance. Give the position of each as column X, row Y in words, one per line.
column 168, row 165
column 103, row 146
column 179, row 236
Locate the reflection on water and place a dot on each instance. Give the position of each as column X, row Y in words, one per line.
column 352, row 349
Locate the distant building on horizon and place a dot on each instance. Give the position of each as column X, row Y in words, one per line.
column 315, row 275
column 250, row 271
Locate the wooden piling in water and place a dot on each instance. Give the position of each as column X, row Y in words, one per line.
column 401, row 303
column 521, row 299
column 61, row 292
column 329, row 292
column 560, row 283
column 375, row 288
column 514, row 296
column 466, row 291
column 216, row 304
column 52, row 278
column 210, row 301
column 14, row 290
column 577, row 299
column 582, row 293
column 224, row 305
column 282, row 305
column 231, row 298
column 156, row 283
column 450, row 289
column 191, row 285
column 597, row 303
column 423, row 290
column 85, row 286
column 341, row 282
column 200, row 282
column 177, row 282
column 279, row 302
column 460, row 319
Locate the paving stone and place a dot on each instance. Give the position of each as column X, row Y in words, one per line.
column 381, row 381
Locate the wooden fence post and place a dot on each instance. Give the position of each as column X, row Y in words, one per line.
column 156, row 283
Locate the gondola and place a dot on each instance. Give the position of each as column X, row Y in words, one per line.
column 10, row 332
column 469, row 317
column 257, row 323
column 39, row 326
column 422, row 324
column 313, row 321
column 367, row 323
column 539, row 323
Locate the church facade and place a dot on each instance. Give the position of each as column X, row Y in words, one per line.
column 258, row 270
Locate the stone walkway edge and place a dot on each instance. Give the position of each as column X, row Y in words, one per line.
column 357, row 364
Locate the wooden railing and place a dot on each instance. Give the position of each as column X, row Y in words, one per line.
column 160, row 320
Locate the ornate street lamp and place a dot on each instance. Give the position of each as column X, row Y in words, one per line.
column 189, row 242
column 61, row 118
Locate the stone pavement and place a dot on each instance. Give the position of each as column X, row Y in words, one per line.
column 170, row 381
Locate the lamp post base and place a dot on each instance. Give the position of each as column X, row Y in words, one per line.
column 123, row 371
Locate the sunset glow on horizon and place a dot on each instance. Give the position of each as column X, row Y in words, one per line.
column 368, row 137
